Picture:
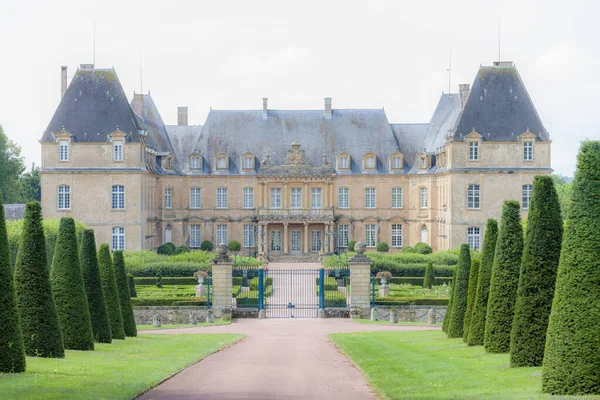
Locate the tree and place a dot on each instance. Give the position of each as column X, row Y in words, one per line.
column 571, row 363
column 11, row 165
column 125, row 298
column 448, row 314
column 111, row 292
column 29, row 185
column 538, row 275
column 477, row 328
column 12, row 352
column 41, row 330
column 505, row 279
column 564, row 189
column 429, row 279
column 461, row 288
column 423, row 248
column 473, row 278
column 234, row 246
column 131, row 283
column 93, row 288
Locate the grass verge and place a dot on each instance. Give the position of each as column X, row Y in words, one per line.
column 382, row 322
column 179, row 326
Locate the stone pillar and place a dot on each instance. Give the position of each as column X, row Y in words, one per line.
column 285, row 238
column 360, row 280
column 259, row 196
column 266, row 197
column 285, row 196
column 305, row 197
column 306, row 238
column 222, row 282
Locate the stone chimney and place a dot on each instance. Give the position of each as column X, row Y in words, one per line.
column 504, row 64
column 327, row 108
column 138, row 104
column 63, row 81
column 182, row 116
column 264, row 113
column 464, row 89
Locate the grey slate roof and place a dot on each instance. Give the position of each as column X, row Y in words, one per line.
column 183, row 139
column 14, row 212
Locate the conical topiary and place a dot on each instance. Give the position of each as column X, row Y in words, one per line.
column 41, row 330
column 448, row 313
column 131, row 283
column 111, row 292
column 429, row 279
column 12, row 352
column 93, row 288
column 572, row 355
column 473, row 278
column 125, row 299
column 477, row 329
column 459, row 299
column 505, row 280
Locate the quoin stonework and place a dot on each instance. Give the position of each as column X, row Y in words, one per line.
column 290, row 181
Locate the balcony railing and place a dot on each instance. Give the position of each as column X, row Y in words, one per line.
column 295, row 214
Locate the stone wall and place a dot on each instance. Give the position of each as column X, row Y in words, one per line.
column 409, row 313
column 169, row 315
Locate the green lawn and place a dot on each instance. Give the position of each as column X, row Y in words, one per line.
column 427, row 365
column 120, row 370
column 383, row 322
column 178, row 326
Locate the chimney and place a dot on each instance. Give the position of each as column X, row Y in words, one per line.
column 264, row 113
column 138, row 104
column 464, row 89
column 182, row 116
column 327, row 107
column 504, row 64
column 63, row 81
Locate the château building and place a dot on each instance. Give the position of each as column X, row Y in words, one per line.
column 290, row 181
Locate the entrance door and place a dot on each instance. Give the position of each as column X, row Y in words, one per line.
column 296, row 245
column 276, row 241
column 424, row 234
column 168, row 234
column 315, row 243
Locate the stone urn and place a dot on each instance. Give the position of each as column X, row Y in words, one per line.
column 360, row 247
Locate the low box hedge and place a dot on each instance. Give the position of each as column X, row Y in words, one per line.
column 166, row 268
column 166, row 302
column 409, row 270
column 415, row 280
column 417, row 301
column 169, row 280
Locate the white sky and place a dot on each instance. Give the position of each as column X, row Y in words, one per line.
column 364, row 54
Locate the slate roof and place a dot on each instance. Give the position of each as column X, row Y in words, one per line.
column 14, row 212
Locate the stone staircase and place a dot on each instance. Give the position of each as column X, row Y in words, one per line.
column 293, row 258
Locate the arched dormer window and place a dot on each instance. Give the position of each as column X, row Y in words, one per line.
column 396, row 162
column 423, row 162
column 248, row 161
column 370, row 162
column 195, row 161
column 222, row 162
column 343, row 162
column 169, row 162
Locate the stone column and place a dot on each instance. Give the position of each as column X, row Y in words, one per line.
column 305, row 197
column 285, row 196
column 222, row 283
column 266, row 197
column 305, row 238
column 259, row 196
column 360, row 280
column 285, row 238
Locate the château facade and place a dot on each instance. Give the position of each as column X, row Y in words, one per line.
column 290, row 181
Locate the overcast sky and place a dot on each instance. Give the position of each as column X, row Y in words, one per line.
column 364, row 54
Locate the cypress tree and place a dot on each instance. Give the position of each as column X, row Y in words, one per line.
column 571, row 363
column 448, row 313
column 538, row 275
column 505, row 280
column 477, row 328
column 125, row 299
column 12, row 352
column 461, row 288
column 93, row 288
column 111, row 292
column 131, row 282
column 429, row 279
column 473, row 278
column 41, row 330
column 69, row 293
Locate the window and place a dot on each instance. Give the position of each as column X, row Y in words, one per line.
column 473, row 197
column 526, row 196
column 248, row 235
column 396, row 198
column 423, row 162
column 63, row 150
column 195, row 237
column 118, row 238
column 473, row 238
column 196, row 162
column 275, row 197
column 423, row 197
column 370, row 162
column 343, row 235
column 370, row 198
column 343, row 197
column 315, row 241
column 195, row 198
column 221, row 163
column 296, row 198
column 248, row 194
column 473, row 151
column 221, row 234
column 344, row 163
column 118, row 197
column 316, row 198
column 396, row 163
column 276, row 241
column 222, row 201
column 248, row 163
column 527, row 151
column 371, row 235
column 424, row 234
column 169, row 163
column 396, row 235
column 64, row 197
column 118, row 150
column 168, row 198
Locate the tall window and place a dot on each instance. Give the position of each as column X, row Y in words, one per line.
column 527, row 151
column 423, row 162
column 169, row 163
column 222, row 201
column 396, row 235
column 248, row 194
column 316, row 198
column 344, row 162
column 396, row 162
column 196, row 162
column 296, row 198
column 248, row 235
column 473, row 238
column 118, row 150
column 396, row 198
column 195, row 237
column 168, row 198
column 343, row 235
column 473, row 197
column 64, row 197
column 63, row 150
column 370, row 200
column 526, row 196
column 248, row 162
column 118, row 238
column 473, row 151
column 315, row 241
column 118, row 197
column 371, row 235
column 343, row 197
column 275, row 197
column 221, row 234
column 221, row 163
column 423, row 197
column 370, row 162
column 195, row 198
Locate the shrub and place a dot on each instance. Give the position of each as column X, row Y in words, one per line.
column 188, row 280
column 12, row 352
column 181, row 250
column 448, row 313
column 351, row 245
column 382, row 247
column 166, row 302
column 505, row 279
column 206, row 245
column 418, row 281
column 159, row 279
column 423, row 248
column 417, row 301
column 408, row 249
column 175, row 269
column 460, row 292
column 93, row 288
column 234, row 246
column 125, row 299
column 165, row 249
column 572, row 355
column 409, row 269
column 131, row 284
column 111, row 292
column 473, row 278
column 477, row 328
column 41, row 330
column 429, row 279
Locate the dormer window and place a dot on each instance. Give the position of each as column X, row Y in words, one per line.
column 370, row 162
column 473, row 151
column 169, row 163
column 396, row 161
column 118, row 150
column 343, row 161
column 196, row 162
column 222, row 161
column 248, row 161
column 423, row 162
column 63, row 150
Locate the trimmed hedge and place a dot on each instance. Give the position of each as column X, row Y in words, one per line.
column 409, row 270
column 234, row 246
column 423, row 248
column 382, row 247
column 416, row 301
column 124, row 297
column 473, row 278
column 351, row 245
column 189, row 280
column 206, row 245
column 111, row 292
column 429, row 279
column 167, row 269
column 572, row 355
column 460, row 293
column 448, row 313
column 167, row 302
column 417, row 280
column 131, row 283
